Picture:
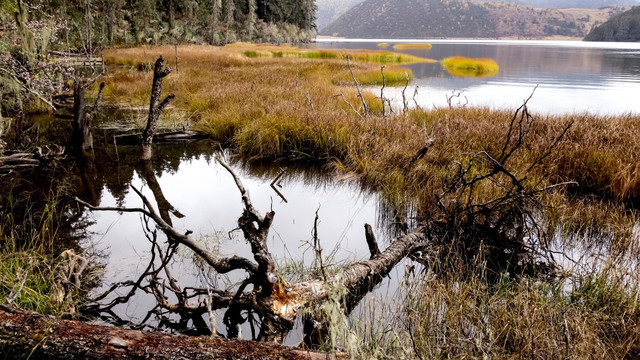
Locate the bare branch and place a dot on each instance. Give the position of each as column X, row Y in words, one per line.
column 365, row 107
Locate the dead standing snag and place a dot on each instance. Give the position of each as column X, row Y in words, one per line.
column 160, row 71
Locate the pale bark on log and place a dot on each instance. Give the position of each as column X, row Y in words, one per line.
column 29, row 335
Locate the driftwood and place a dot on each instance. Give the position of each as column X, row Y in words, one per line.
column 175, row 136
column 42, row 156
column 29, row 335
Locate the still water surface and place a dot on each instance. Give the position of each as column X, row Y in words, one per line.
column 572, row 76
column 192, row 191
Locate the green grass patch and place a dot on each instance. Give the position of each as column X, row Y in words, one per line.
column 28, row 232
column 392, row 77
column 378, row 57
column 464, row 66
column 257, row 53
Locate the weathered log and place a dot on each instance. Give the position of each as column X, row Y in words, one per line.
column 30, row 335
column 174, row 136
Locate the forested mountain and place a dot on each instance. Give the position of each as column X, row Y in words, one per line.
column 623, row 27
column 463, row 19
column 569, row 4
column 331, row 10
column 131, row 22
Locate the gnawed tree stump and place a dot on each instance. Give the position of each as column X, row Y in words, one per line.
column 30, row 335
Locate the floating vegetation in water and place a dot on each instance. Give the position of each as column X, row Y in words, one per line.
column 407, row 46
column 464, row 66
column 383, row 45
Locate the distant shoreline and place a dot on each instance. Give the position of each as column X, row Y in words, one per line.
column 326, row 38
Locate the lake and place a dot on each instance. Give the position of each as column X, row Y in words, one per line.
column 571, row 76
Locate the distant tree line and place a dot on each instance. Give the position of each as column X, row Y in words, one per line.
column 30, row 29
column 90, row 24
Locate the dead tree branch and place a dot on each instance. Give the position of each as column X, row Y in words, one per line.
column 365, row 106
column 348, row 103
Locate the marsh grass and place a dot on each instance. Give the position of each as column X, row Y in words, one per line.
column 261, row 108
column 393, row 76
column 378, row 57
column 464, row 66
column 28, row 261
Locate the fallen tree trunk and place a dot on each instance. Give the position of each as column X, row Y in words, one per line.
column 175, row 136
column 29, row 335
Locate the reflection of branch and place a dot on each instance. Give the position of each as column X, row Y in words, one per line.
column 220, row 264
column 164, row 206
column 276, row 182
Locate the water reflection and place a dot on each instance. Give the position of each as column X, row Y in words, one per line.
column 194, row 193
column 572, row 76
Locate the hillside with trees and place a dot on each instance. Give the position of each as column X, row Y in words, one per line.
column 464, row 19
column 623, row 27
column 106, row 23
